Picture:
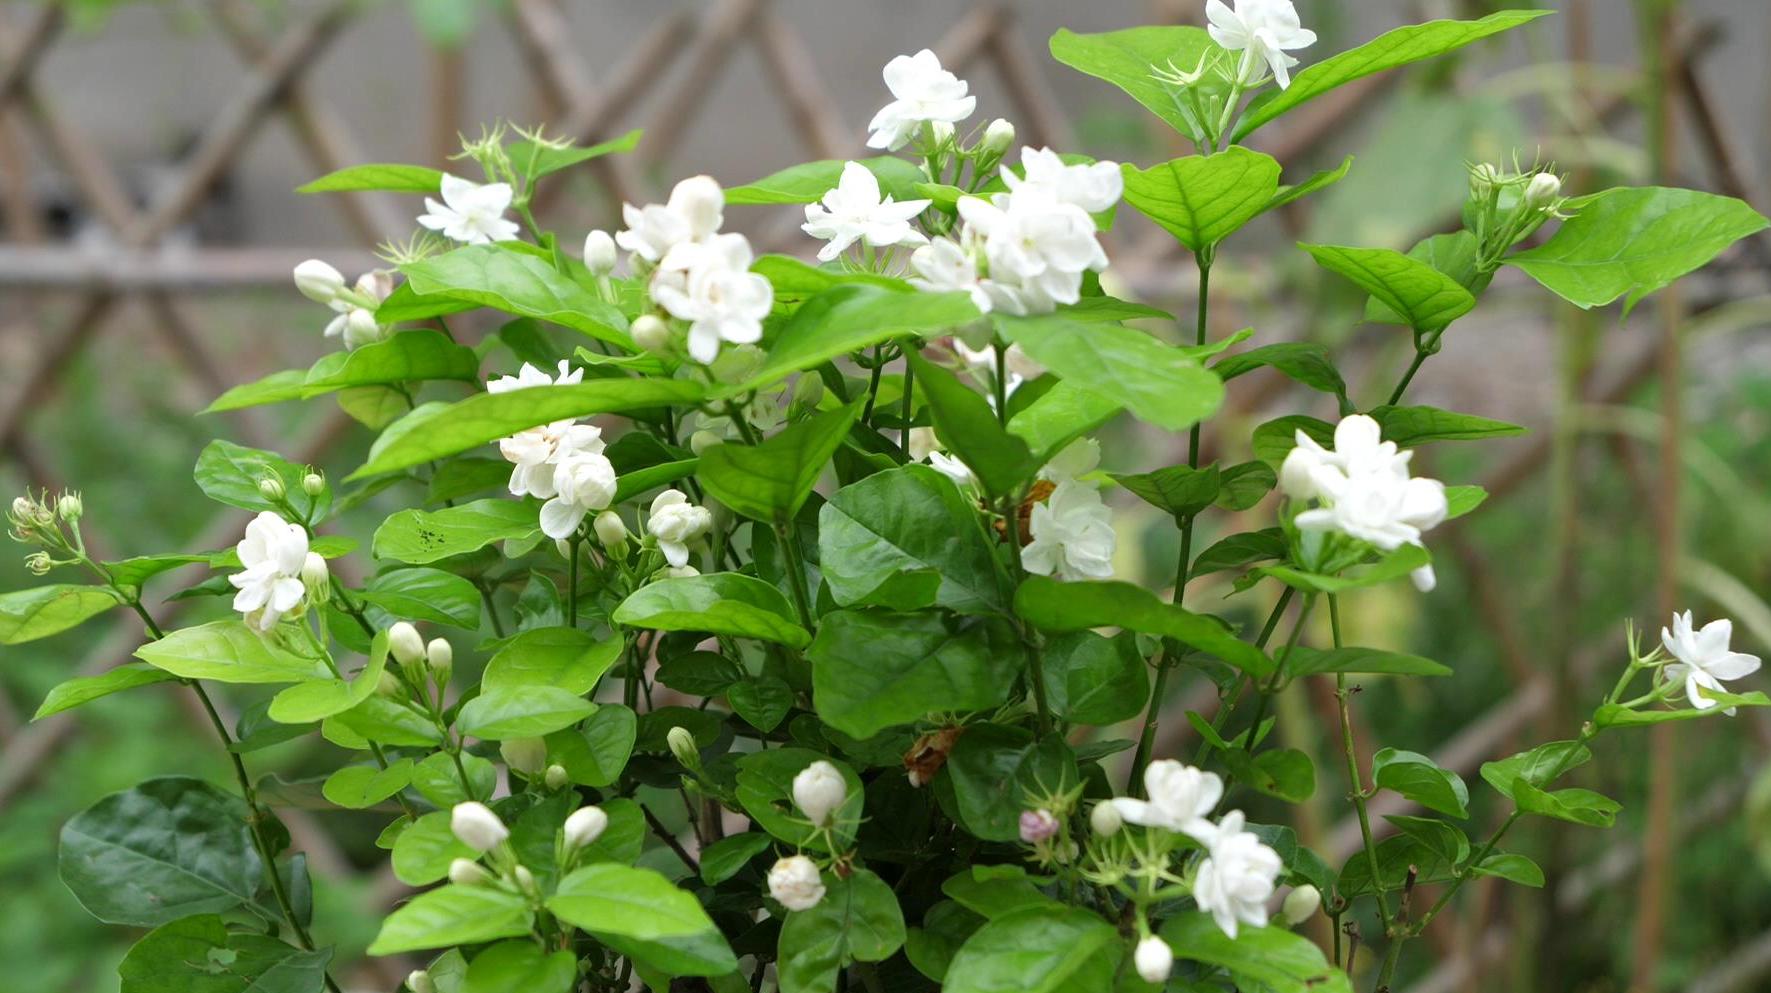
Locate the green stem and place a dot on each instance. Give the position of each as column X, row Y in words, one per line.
column 1354, row 779
column 1263, row 693
column 788, row 538
column 1420, row 358
column 873, row 387
column 1387, row 971
column 744, row 429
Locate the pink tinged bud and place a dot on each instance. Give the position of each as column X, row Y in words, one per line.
column 1037, row 826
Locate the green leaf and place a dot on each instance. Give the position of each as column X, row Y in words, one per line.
column 159, row 851
column 1454, row 254
column 520, row 283
column 1178, row 490
column 728, row 856
column 198, row 954
column 770, row 481
column 454, row 915
column 1059, row 416
column 1285, row 773
column 380, row 720
column 1304, row 661
column 26, row 615
column 639, row 913
column 1412, row 426
column 1420, row 779
column 1425, row 298
column 596, row 754
column 1238, row 550
column 1203, row 199
column 765, row 790
column 1636, row 241
column 82, row 690
column 409, row 356
column 1094, row 680
column 1282, row 961
column 537, row 161
column 1041, row 949
column 420, row 536
column 993, row 891
column 423, row 852
column 521, row 967
column 795, row 281
column 444, row 783
column 1392, row 566
column 434, row 431
column 848, row 318
column 763, row 702
column 1056, row 606
column 1512, row 868
column 857, row 921
column 228, row 652
column 1443, row 838
column 521, row 712
column 945, row 927
column 1614, row 715
column 809, row 181
column 1274, row 439
column 724, row 603
column 1460, row 500
column 318, row 699
column 1536, row 765
column 394, row 177
column 1128, row 59
column 1317, row 182
column 422, row 594
column 141, row 568
column 1573, row 804
column 1156, row 382
column 1391, row 50
column 872, row 670
column 1302, row 362
column 971, row 430
column 355, row 787
column 564, row 658
column 995, row 769
column 229, row 473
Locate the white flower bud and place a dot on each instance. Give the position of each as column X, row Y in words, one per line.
column 556, row 777
column 1543, row 190
column 599, row 253
column 651, row 333
column 1483, row 178
column 1154, row 959
column 316, row 577
column 525, row 755
column 699, row 200
column 467, row 872
column 818, row 791
column 389, row 685
column 313, row 484
column 68, row 507
column 419, row 981
column 1104, row 819
column 477, row 827
column 318, row 281
column 525, row 880
column 271, row 488
column 39, row 563
column 795, row 884
column 943, row 132
column 440, row 656
column 585, row 826
column 701, row 441
column 1300, row 904
column 682, row 745
column 611, row 531
column 361, row 328
column 24, row 508
column 405, row 643
column 998, row 137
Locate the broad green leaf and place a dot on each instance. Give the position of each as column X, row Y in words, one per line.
column 1238, row 550
column 1398, row 858
column 357, row 786
column 1425, row 298
column 1111, row 309
column 564, row 658
column 795, row 281
column 728, row 856
column 1059, row 416
column 1042, row 949
column 1613, row 715
column 519, row 283
column 1635, row 241
column 1130, row 58
column 910, row 520
column 851, row 317
column 1282, row 961
column 454, row 915
column 1094, row 680
column 1274, row 439
column 409, row 356
column 434, row 431
column 141, row 568
column 521, row 967
column 595, row 754
column 85, row 689
column 763, row 702
column 639, row 913
column 631, row 484
column 228, row 652
column 945, row 927
column 394, row 177
column 420, row 536
column 159, row 851
column 995, row 769
column 809, row 181
column 383, row 721
column 1445, row 839
column 404, row 304
column 1391, row 50
column 724, row 603
column 26, row 615
column 857, row 921
column 1572, row 804
column 1460, row 500
column 871, row 670
column 424, row 850
column 1245, row 484
column 1392, row 566
column 1203, row 199
column 1285, row 773
column 1455, row 255
column 198, row 954
column 1418, row 778
column 1178, row 490
column 537, row 161
column 1512, row 868
column 443, row 782
column 770, row 481
column 1317, row 182
column 1303, row 362
column 1305, row 661
column 317, row 699
column 1156, row 382
column 971, row 430
column 522, row 712
column 1412, row 426
column 1536, row 765
column 1056, row 606
column 422, row 594
column 229, row 473
column 993, row 891
column 765, row 790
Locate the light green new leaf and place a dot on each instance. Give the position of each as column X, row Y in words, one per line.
column 409, row 356
column 851, row 317
column 85, row 689
column 423, row 594
column 871, row 670
column 318, row 699
column 809, row 181
column 419, row 536
column 795, row 281
column 1613, row 715
column 522, row 712
column 1129, row 59
column 1393, row 565
column 520, row 283
column 424, row 850
column 1305, row 661
column 640, row 913
column 26, row 615
column 454, row 915
column 564, row 658
column 1272, row 956
column 1407, row 44
column 1512, row 868
column 723, row 603
column 1425, row 298
column 1317, row 182
column 229, row 473
column 770, row 481
column 1420, row 779
column 394, row 177
column 1037, row 949
column 857, row 921
column 520, row 967
column 971, row 430
column 1059, row 416
column 1203, row 199
column 1056, row 606
column 355, row 787
column 1573, row 804
column 228, row 652
column 537, row 161
column 1636, row 241
column 1412, row 426
column 1155, row 381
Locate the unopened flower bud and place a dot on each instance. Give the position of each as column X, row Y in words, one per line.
column 467, row 872
column 419, row 981
column 39, row 563
column 525, row 755
column 1543, row 190
column 389, row 685
column 737, row 364
column 1038, row 825
column 651, row 333
column 316, row 577
column 68, row 507
column 1300, row 904
column 477, row 827
column 682, row 745
column 1104, row 819
column 556, row 777
column 318, row 281
column 525, row 880
column 271, row 488
column 701, row 441
column 24, row 508
column 795, row 883
column 997, row 137
column 1154, row 959
column 818, row 791
column 585, row 826
column 440, row 656
column 361, row 328
column 405, row 643
column 1483, row 178
column 611, row 531
column 943, row 132
column 313, row 484
column 599, row 253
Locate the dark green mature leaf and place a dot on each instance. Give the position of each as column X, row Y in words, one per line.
column 85, row 689
column 1443, row 838
column 26, row 615
column 394, row 177
column 454, row 915
column 1425, row 298
column 765, row 790
column 638, row 912
column 1274, row 439
column 564, row 658
column 521, row 967
column 1420, row 779
column 198, row 954
column 1178, row 490
column 1407, row 44
column 996, row 769
column 1536, row 765
column 159, row 851
column 519, row 283
column 1203, row 199
column 522, row 712
column 908, row 521
column 763, row 702
column 1156, row 382
column 1573, row 804
column 421, row 536
column 596, row 754
column 871, row 670
column 724, row 603
column 971, row 430
column 850, row 317
column 1039, row 949
column 1238, row 550
column 1284, row 962
column 770, row 481
column 228, row 652
column 537, row 161
column 992, row 891
column 1056, row 606
column 1094, row 680
column 423, row 594
column 857, row 921
column 434, row 431
column 1245, row 484
column 1411, row 426
column 1636, row 241
column 728, row 856
column 809, row 181
column 1128, row 59
column 1305, row 661
column 1303, row 362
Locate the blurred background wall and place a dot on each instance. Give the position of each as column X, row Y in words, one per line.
column 148, row 151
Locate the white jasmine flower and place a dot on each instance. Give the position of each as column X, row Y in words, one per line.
column 1040, row 243
column 273, row 553
column 529, row 376
column 1154, row 959
column 1094, row 186
column 1180, row 799
column 1704, row 658
column 585, row 826
column 795, row 884
column 818, row 791
column 695, row 210
column 942, row 266
column 922, row 91
column 477, row 827
column 710, row 285
column 765, row 412
column 676, row 522
column 583, row 481
column 536, row 452
column 1236, row 878
column 1019, row 365
column 922, row 446
column 1263, row 30
column 470, row 213
column 855, row 211
column 1072, row 535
